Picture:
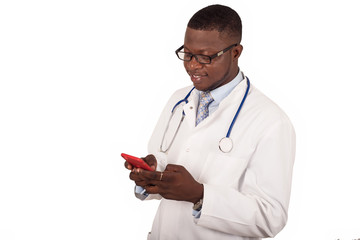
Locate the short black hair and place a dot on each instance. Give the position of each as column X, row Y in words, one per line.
column 217, row 17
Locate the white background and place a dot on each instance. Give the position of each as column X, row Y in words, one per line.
column 83, row 81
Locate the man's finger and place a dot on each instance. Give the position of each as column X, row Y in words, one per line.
column 152, row 175
column 136, row 176
column 128, row 166
column 153, row 189
column 174, row 168
column 151, row 161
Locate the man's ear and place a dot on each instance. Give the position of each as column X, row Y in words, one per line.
column 237, row 50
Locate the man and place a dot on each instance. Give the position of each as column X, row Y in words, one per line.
column 209, row 188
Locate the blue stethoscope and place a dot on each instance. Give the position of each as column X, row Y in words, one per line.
column 225, row 144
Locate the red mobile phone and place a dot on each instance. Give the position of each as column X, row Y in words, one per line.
column 136, row 162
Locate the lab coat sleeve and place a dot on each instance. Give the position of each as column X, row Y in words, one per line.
column 259, row 207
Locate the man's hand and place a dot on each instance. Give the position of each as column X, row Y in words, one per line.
column 149, row 159
column 175, row 183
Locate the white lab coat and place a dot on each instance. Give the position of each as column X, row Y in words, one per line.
column 246, row 191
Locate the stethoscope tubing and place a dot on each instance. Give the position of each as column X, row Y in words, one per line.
column 239, row 108
column 227, row 138
column 183, row 100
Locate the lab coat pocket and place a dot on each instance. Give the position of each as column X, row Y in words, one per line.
column 223, row 170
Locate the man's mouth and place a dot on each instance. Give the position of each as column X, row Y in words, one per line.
column 196, row 78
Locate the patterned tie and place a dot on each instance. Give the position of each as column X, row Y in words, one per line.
column 203, row 110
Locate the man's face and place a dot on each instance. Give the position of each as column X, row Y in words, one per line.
column 221, row 70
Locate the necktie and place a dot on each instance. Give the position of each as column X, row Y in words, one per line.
column 203, row 109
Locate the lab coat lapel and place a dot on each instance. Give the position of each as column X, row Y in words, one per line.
column 190, row 109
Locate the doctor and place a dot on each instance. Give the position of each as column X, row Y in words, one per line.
column 209, row 188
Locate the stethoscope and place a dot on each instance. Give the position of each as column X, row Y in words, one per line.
column 225, row 144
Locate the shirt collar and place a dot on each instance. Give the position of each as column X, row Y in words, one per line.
column 220, row 93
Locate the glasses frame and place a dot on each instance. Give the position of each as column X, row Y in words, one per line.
column 210, row 57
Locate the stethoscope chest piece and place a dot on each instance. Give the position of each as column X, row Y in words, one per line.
column 225, row 144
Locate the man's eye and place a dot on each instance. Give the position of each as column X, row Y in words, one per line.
column 187, row 55
column 202, row 57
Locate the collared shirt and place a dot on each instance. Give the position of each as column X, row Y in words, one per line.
column 220, row 93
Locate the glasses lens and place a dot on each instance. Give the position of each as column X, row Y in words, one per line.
column 184, row 56
column 203, row 59
column 188, row 56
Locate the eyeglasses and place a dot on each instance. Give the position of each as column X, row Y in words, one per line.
column 204, row 59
